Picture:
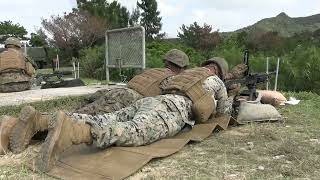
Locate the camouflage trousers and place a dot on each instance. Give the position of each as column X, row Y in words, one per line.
column 110, row 101
column 144, row 122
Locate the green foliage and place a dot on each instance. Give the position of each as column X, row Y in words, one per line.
column 116, row 15
column 156, row 50
column 66, row 103
column 8, row 29
column 201, row 38
column 92, row 62
column 300, row 69
column 150, row 18
column 38, row 39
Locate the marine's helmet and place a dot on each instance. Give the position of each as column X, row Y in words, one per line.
column 12, row 41
column 177, row 57
column 221, row 63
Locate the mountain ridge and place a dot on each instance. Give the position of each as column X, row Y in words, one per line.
column 285, row 25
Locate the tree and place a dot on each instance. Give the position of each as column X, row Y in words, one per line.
column 74, row 31
column 114, row 13
column 269, row 42
column 201, row 38
column 150, row 18
column 38, row 39
column 8, row 29
column 135, row 17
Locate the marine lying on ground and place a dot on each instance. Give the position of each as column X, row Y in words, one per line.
column 16, row 69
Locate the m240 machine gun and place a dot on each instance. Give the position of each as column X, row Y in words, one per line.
column 251, row 80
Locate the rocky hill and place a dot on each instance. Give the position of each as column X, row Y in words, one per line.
column 286, row 26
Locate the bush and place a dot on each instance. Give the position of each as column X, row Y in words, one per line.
column 157, row 49
column 92, row 62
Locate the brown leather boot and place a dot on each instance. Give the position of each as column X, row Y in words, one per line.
column 63, row 132
column 30, row 122
column 6, row 125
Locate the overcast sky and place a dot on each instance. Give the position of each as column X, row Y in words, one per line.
column 225, row 15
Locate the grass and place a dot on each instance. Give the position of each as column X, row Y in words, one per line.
column 65, row 103
column 289, row 150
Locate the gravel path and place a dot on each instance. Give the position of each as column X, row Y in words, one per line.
column 17, row 98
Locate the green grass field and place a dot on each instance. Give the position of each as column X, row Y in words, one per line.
column 286, row 150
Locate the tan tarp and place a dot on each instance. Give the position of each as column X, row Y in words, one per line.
column 88, row 162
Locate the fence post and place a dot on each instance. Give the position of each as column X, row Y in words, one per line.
column 78, row 70
column 267, row 71
column 277, row 74
column 107, row 60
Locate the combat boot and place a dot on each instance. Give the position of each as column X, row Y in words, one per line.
column 6, row 125
column 30, row 121
column 63, row 132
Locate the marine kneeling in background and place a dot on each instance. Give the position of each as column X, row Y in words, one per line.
column 16, row 69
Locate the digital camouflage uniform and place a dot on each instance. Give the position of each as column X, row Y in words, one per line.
column 111, row 100
column 149, row 119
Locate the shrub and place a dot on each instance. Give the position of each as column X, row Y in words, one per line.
column 92, row 62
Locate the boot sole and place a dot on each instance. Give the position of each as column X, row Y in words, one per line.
column 18, row 137
column 46, row 158
column 4, row 138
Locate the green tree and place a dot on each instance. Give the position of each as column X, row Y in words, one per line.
column 201, row 38
column 150, row 18
column 38, row 39
column 8, row 29
column 135, row 17
column 116, row 15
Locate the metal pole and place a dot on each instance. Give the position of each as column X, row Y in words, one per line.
column 25, row 48
column 143, row 48
column 267, row 71
column 58, row 62
column 78, row 70
column 74, row 69
column 277, row 74
column 107, row 59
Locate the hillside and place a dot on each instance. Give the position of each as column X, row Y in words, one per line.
column 285, row 25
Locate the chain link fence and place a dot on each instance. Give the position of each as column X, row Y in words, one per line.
column 125, row 48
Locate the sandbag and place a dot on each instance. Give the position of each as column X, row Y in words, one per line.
column 255, row 112
column 274, row 98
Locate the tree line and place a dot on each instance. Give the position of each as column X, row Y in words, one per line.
column 81, row 33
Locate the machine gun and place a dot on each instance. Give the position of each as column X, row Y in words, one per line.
column 56, row 76
column 250, row 80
